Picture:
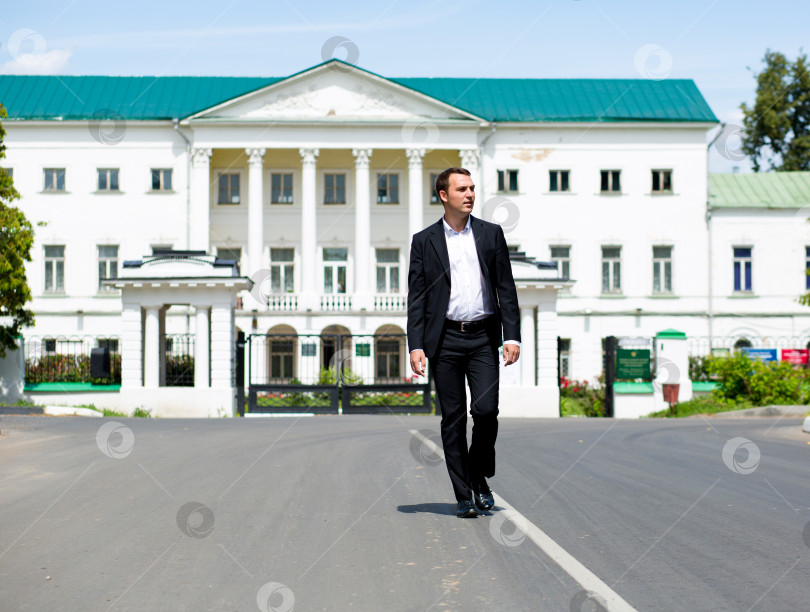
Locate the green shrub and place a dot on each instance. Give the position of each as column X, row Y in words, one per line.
column 707, row 404
column 582, row 398
column 752, row 381
column 699, row 368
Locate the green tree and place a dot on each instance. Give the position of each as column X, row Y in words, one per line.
column 16, row 240
column 777, row 128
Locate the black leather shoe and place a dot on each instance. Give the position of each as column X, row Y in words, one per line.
column 483, row 496
column 466, row 509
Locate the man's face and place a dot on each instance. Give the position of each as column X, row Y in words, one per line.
column 460, row 194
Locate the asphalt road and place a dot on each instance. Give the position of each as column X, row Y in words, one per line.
column 355, row 513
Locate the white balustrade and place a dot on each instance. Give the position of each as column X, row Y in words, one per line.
column 336, row 302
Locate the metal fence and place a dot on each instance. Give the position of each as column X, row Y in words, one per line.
column 312, row 359
column 333, row 372
column 179, row 360
column 703, row 346
column 67, row 359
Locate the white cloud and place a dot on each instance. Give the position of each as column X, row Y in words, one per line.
column 48, row 62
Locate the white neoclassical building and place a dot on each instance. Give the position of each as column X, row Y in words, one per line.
column 315, row 182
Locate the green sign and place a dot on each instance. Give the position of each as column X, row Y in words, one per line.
column 307, row 349
column 362, row 350
column 633, row 363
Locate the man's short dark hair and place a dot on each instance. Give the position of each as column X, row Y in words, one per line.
column 443, row 180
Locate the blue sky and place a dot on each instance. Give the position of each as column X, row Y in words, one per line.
column 713, row 42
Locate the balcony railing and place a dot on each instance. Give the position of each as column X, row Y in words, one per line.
column 389, row 302
column 336, row 302
column 286, row 302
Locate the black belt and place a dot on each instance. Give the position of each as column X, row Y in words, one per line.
column 467, row 327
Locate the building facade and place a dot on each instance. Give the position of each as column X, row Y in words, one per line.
column 314, row 184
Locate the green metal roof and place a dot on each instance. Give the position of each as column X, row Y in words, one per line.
column 569, row 99
column 508, row 100
column 136, row 98
column 760, row 190
column 670, row 333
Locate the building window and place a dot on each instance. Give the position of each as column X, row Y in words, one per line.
column 662, row 181
column 282, row 352
column 508, row 180
column 281, row 270
column 564, row 347
column 387, row 270
column 562, row 255
column 558, row 180
column 742, row 343
column 281, row 188
column 228, row 189
column 108, row 179
column 662, row 269
column 54, row 269
column 54, row 179
column 161, row 179
column 107, row 265
column 387, row 189
column 610, row 181
column 334, row 269
column 9, row 171
column 388, row 351
column 108, row 343
column 434, row 196
column 230, row 254
column 611, row 269
column 742, row 269
column 49, row 345
column 807, row 267
column 334, row 189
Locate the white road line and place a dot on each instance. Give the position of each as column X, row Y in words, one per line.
column 581, row 574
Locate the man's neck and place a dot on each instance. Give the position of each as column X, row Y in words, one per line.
column 457, row 223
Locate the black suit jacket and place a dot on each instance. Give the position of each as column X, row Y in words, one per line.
column 429, row 285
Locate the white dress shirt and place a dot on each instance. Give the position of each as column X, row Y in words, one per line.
column 470, row 299
column 469, row 294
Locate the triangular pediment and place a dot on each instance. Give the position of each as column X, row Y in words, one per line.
column 334, row 92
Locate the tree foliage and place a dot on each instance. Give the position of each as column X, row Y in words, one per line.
column 777, row 128
column 16, row 241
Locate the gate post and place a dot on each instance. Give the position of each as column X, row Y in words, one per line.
column 240, row 372
column 610, row 374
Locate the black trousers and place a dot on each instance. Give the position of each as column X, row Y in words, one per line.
column 472, row 356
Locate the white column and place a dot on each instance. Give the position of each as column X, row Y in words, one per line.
column 547, row 366
column 131, row 346
column 528, row 366
column 151, row 348
column 416, row 214
column 470, row 161
column 309, row 243
column 362, row 228
column 255, row 210
column 202, row 366
column 200, row 199
column 222, row 346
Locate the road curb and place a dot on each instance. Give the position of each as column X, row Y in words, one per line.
column 71, row 411
column 766, row 411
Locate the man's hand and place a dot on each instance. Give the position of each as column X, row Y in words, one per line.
column 511, row 352
column 418, row 362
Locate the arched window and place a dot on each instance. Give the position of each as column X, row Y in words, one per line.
column 742, row 343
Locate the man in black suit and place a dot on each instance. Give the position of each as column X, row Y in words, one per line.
column 462, row 303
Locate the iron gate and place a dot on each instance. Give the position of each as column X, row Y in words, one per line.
column 331, row 374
